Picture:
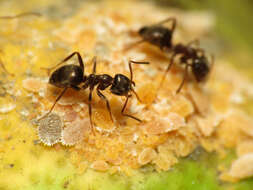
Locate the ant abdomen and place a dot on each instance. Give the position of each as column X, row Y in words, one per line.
column 157, row 35
column 67, row 76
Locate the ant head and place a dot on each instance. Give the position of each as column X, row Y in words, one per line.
column 67, row 76
column 200, row 68
column 121, row 85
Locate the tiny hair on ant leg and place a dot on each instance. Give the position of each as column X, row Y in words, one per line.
column 73, row 76
column 157, row 34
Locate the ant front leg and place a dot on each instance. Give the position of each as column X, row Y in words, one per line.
column 90, row 110
column 107, row 102
column 183, row 81
column 168, row 68
column 124, row 107
column 80, row 60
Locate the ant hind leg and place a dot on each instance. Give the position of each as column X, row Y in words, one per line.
column 103, row 97
column 90, row 111
column 167, row 70
column 183, row 81
column 127, row 115
column 80, row 60
column 57, row 99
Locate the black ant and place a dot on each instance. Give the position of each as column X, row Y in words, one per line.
column 13, row 17
column 193, row 57
column 157, row 34
column 161, row 37
column 72, row 76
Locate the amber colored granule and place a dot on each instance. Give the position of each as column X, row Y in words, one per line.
column 146, row 156
column 102, row 119
column 242, row 167
column 147, row 93
column 181, row 106
column 244, row 147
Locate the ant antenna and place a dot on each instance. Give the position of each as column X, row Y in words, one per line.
column 21, row 15
column 131, row 75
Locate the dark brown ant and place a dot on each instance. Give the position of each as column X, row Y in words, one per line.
column 72, row 76
column 157, row 34
column 161, row 37
column 193, row 57
column 13, row 17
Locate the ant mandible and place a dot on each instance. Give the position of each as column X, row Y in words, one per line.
column 161, row 37
column 13, row 17
column 72, row 76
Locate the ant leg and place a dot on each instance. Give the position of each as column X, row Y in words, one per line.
column 124, row 107
column 168, row 68
column 21, row 15
column 107, row 102
column 138, row 98
column 185, row 76
column 57, row 99
column 94, row 60
column 80, row 60
column 196, row 42
column 132, row 45
column 5, row 70
column 170, row 19
column 130, row 67
column 90, row 111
